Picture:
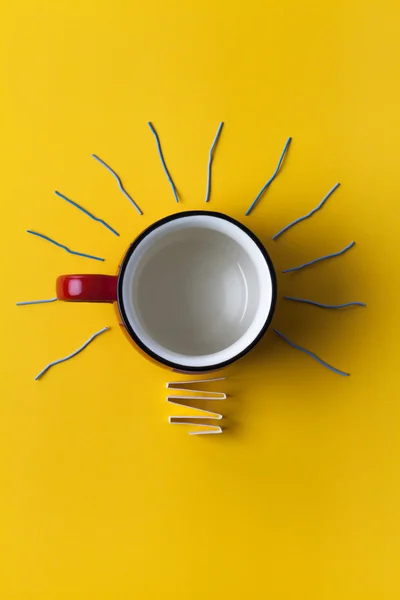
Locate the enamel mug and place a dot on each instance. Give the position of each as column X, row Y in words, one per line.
column 195, row 291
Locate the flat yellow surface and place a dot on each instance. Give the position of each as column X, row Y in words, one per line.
column 101, row 499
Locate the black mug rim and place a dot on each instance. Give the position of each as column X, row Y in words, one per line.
column 131, row 331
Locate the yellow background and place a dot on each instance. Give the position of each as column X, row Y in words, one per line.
column 300, row 497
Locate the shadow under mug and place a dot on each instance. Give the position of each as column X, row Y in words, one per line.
column 195, row 291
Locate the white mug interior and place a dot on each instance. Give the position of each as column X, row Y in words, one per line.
column 197, row 290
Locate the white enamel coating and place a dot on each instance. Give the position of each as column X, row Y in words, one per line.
column 197, row 290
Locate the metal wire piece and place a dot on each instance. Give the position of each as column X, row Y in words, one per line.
column 61, row 360
column 271, row 178
column 37, row 302
column 312, row 262
column 210, row 159
column 87, row 213
column 163, row 162
column 324, row 305
column 121, row 187
column 308, row 215
column 309, row 353
column 64, row 247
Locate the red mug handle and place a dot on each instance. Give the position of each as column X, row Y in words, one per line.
column 87, row 288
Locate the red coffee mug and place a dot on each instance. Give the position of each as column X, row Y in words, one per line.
column 195, row 291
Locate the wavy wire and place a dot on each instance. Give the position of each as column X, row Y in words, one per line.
column 210, row 159
column 89, row 214
column 308, row 215
column 163, row 162
column 61, row 360
column 309, row 353
column 37, row 302
column 312, row 262
column 64, row 247
column 324, row 305
column 272, row 178
column 121, row 187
